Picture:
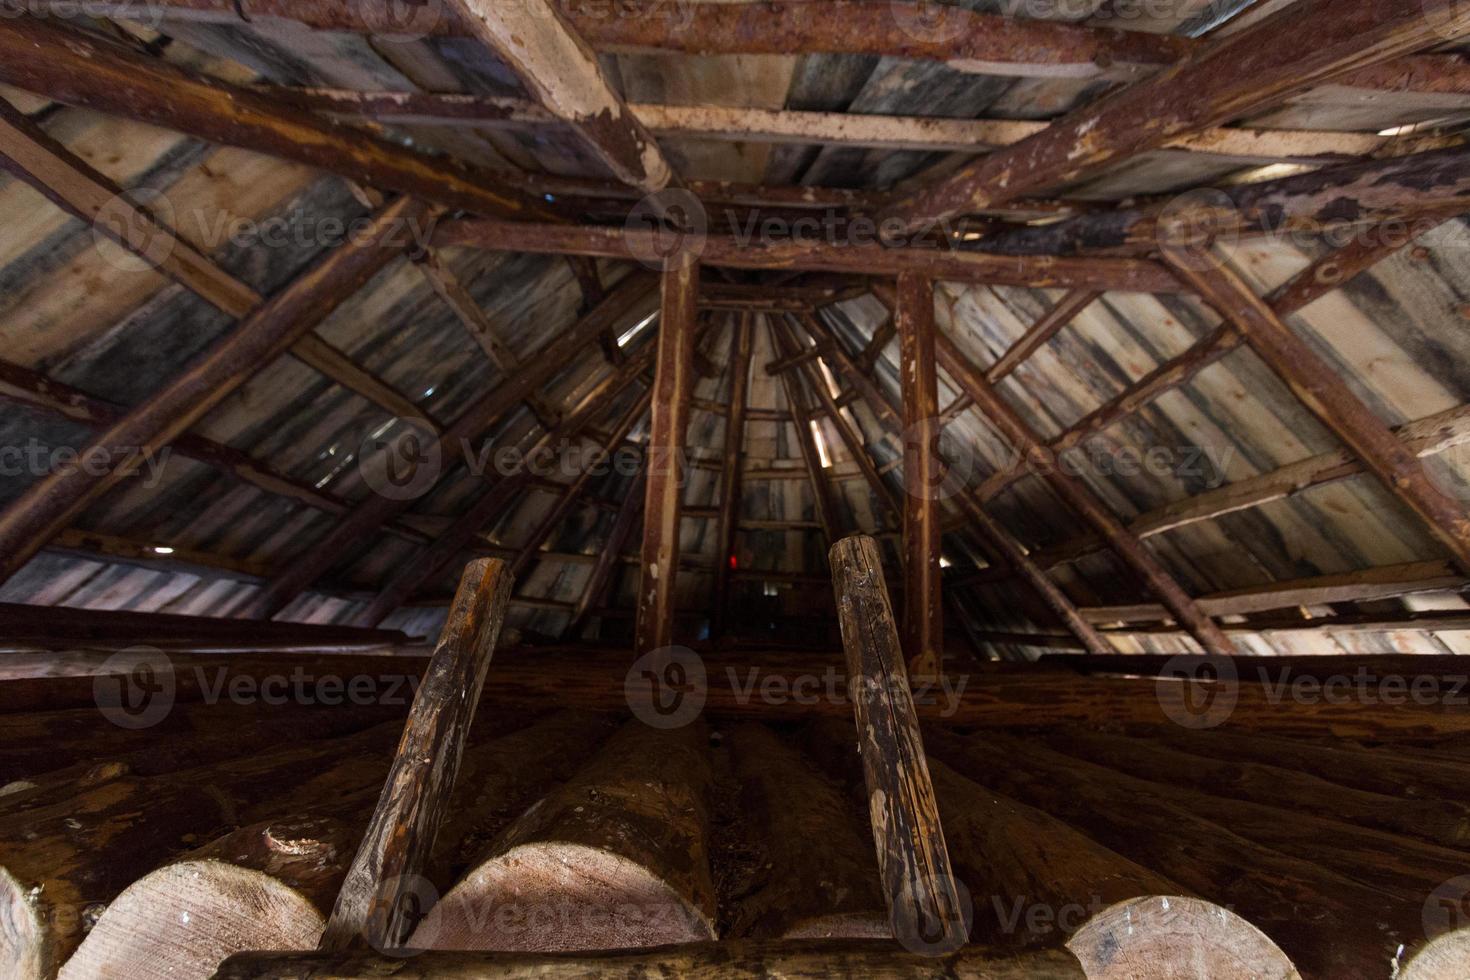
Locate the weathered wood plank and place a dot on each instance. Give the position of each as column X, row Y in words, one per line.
column 923, row 475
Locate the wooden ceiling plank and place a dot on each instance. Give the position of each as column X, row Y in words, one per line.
column 664, row 490
column 377, row 509
column 1329, row 398
column 1227, row 79
column 50, row 503
column 1081, row 498
column 86, row 71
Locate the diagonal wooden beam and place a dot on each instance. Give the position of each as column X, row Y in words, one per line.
column 923, row 476
column 664, row 490
column 1329, row 398
column 530, row 552
column 1080, row 497
column 86, row 71
column 562, row 72
column 377, row 509
column 850, row 436
column 741, row 343
column 50, row 503
column 478, row 325
column 823, row 499
column 1228, row 79
column 1043, row 330
column 610, row 557
column 29, row 153
column 494, row 501
column 863, row 257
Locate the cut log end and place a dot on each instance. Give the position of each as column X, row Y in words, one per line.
column 561, row 897
column 186, row 918
column 1446, row 957
column 25, row 952
column 1175, row 938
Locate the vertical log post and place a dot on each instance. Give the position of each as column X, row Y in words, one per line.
column 742, row 335
column 923, row 900
column 380, row 896
column 663, row 495
column 923, row 615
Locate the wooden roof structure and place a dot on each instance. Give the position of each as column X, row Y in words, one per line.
column 1125, row 332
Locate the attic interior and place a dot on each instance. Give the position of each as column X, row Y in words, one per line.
column 646, row 488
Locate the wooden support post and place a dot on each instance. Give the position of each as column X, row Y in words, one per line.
column 377, row 903
column 741, row 341
column 1209, row 88
column 1043, row 330
column 923, row 612
column 1081, row 498
column 921, row 890
column 563, row 73
column 824, row 500
column 1329, row 398
column 664, row 492
column 50, row 503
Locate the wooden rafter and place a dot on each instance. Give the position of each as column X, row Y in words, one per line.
column 1231, row 78
column 965, row 40
column 664, row 491
column 863, row 258
column 923, row 475
column 829, row 516
column 85, row 71
column 1081, row 498
column 996, row 536
column 600, row 580
column 558, row 67
column 742, row 330
column 492, row 504
column 1328, row 397
column 1040, row 332
column 530, row 551
column 50, row 503
column 78, row 188
column 313, row 561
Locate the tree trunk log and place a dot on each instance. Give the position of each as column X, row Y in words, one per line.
column 1329, row 923
column 820, row 879
column 614, row 858
column 270, row 885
